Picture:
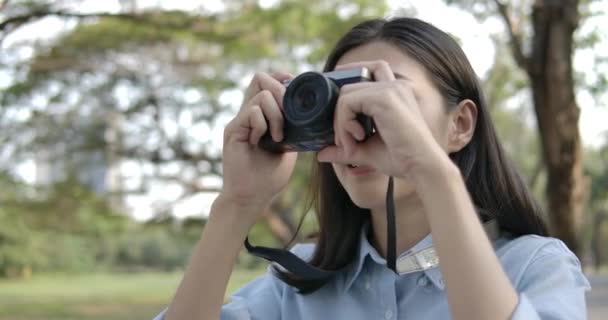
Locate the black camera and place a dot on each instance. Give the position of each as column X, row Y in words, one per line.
column 308, row 110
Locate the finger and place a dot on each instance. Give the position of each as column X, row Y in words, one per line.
column 271, row 111
column 336, row 133
column 336, row 123
column 345, row 112
column 349, row 144
column 351, row 131
column 282, row 76
column 257, row 124
column 355, row 129
column 368, row 102
column 331, row 154
column 364, row 153
column 234, row 131
column 360, row 86
column 263, row 81
column 380, row 69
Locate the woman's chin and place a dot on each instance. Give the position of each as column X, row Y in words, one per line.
column 369, row 198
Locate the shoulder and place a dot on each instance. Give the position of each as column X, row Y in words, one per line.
column 259, row 298
column 527, row 257
column 269, row 279
column 531, row 248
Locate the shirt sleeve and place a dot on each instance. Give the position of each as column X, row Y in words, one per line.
column 259, row 299
column 552, row 286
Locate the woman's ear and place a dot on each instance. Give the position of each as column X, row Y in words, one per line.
column 463, row 119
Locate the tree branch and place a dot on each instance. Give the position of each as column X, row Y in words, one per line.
column 146, row 18
column 514, row 36
column 16, row 21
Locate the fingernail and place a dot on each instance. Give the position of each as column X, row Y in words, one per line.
column 278, row 137
column 360, row 136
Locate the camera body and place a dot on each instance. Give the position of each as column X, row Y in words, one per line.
column 308, row 110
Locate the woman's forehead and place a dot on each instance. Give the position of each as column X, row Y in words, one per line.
column 402, row 65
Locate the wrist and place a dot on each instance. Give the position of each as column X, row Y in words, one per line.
column 442, row 171
column 241, row 214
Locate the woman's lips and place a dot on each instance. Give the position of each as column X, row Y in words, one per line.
column 360, row 170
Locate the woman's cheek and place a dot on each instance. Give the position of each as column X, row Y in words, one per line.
column 366, row 194
column 371, row 193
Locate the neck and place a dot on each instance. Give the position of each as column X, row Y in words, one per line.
column 411, row 224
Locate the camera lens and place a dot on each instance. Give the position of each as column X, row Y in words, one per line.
column 309, row 100
column 305, row 97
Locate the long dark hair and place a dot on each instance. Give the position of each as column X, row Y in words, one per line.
column 496, row 188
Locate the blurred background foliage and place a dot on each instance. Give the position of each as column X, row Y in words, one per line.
column 142, row 86
column 117, row 103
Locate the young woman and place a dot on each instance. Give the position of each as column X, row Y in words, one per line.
column 435, row 137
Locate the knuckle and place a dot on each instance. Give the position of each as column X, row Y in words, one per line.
column 251, row 102
column 345, row 88
column 392, row 93
column 383, row 63
column 257, row 76
column 403, row 88
column 266, row 95
column 401, row 84
column 398, row 86
column 254, row 110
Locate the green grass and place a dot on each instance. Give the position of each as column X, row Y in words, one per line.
column 95, row 296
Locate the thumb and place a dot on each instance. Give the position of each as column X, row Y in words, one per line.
column 362, row 153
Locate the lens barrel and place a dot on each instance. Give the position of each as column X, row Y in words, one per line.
column 309, row 100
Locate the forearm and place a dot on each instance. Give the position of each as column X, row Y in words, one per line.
column 477, row 287
column 201, row 293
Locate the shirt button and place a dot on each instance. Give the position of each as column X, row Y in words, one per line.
column 422, row 281
column 388, row 314
column 368, row 285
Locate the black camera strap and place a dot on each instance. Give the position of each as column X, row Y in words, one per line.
column 391, row 235
column 289, row 262
column 304, row 270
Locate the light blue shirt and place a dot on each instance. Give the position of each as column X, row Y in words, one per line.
column 545, row 273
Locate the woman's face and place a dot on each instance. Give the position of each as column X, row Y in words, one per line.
column 365, row 186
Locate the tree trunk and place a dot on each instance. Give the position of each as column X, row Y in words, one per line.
column 596, row 238
column 550, row 70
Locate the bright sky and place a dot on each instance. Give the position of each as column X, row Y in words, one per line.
column 475, row 39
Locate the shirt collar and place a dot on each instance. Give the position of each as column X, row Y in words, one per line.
column 367, row 250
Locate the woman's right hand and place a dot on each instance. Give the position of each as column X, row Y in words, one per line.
column 253, row 176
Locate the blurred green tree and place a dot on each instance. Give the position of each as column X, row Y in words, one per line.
column 596, row 167
column 52, row 228
column 155, row 86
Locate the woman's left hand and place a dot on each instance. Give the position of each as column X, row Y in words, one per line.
column 403, row 143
